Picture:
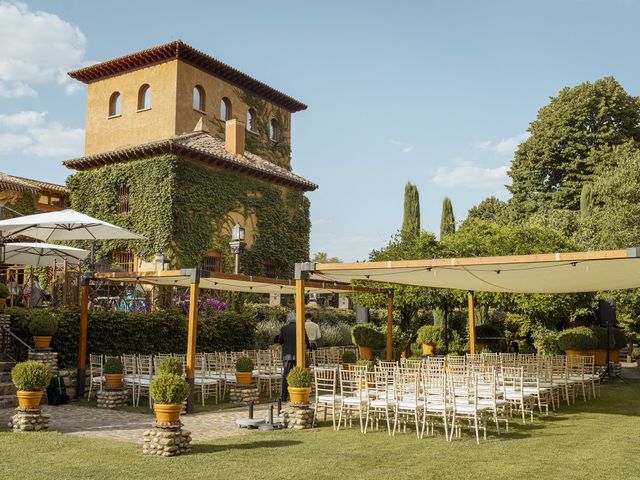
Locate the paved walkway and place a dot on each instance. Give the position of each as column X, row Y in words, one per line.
column 129, row 427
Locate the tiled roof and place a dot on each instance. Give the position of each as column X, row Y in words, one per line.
column 178, row 50
column 17, row 184
column 198, row 146
column 47, row 186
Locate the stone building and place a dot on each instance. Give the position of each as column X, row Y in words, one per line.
column 180, row 147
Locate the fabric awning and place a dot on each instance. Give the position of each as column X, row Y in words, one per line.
column 544, row 273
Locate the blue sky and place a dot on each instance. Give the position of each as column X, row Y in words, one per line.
column 435, row 92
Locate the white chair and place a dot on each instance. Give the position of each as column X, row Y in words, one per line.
column 467, row 407
column 354, row 396
column 96, row 373
column 384, row 402
column 326, row 383
column 409, row 403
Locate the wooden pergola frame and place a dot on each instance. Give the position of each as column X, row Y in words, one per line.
column 192, row 278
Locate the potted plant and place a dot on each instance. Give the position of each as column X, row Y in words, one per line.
column 428, row 337
column 168, row 392
column 113, row 373
column 30, row 378
column 308, row 361
column 577, row 341
column 171, row 365
column 486, row 336
column 42, row 326
column 368, row 339
column 4, row 294
column 299, row 381
column 348, row 358
column 635, row 354
column 244, row 370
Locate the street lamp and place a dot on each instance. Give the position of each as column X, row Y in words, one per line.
column 237, row 244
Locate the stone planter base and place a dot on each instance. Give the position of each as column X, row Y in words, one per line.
column 49, row 358
column 29, row 420
column 297, row 416
column 115, row 398
column 166, row 440
column 243, row 394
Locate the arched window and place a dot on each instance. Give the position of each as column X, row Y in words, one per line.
column 115, row 104
column 225, row 109
column 251, row 120
column 199, row 98
column 144, row 97
column 274, row 130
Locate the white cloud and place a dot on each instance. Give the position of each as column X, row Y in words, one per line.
column 506, row 146
column 473, row 176
column 37, row 48
column 405, row 147
column 29, row 133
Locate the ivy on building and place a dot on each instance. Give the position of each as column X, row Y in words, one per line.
column 183, row 210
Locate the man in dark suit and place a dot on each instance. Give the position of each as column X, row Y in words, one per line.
column 288, row 341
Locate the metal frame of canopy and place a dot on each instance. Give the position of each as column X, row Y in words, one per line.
column 196, row 279
column 539, row 273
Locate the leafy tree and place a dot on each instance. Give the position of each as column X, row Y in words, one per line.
column 491, row 209
column 322, row 257
column 447, row 220
column 566, row 142
column 411, row 221
column 586, row 201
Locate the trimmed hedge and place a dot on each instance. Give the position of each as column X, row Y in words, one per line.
column 579, row 338
column 115, row 333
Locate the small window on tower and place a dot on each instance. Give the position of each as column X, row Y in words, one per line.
column 251, row 120
column 123, row 198
column 225, row 109
column 115, row 105
column 274, row 130
column 199, row 98
column 144, row 97
column 211, row 262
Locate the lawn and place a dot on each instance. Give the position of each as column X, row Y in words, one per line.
column 594, row 440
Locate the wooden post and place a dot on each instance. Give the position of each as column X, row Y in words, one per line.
column 390, row 325
column 300, row 331
column 194, row 294
column 472, row 322
column 82, row 343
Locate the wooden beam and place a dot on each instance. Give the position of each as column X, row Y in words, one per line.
column 300, row 331
column 472, row 322
column 194, row 293
column 82, row 341
column 390, row 325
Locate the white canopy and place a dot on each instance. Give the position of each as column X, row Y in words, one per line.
column 64, row 225
column 42, row 254
column 545, row 273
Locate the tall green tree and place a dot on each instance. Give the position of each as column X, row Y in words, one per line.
column 566, row 142
column 586, row 201
column 491, row 210
column 447, row 220
column 411, row 221
column 323, row 257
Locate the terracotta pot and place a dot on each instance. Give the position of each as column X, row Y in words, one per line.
column 167, row 412
column 113, row 380
column 29, row 399
column 299, row 394
column 347, row 366
column 481, row 346
column 244, row 378
column 599, row 356
column 427, row 348
column 614, row 355
column 42, row 342
column 576, row 353
column 366, row 353
column 3, row 303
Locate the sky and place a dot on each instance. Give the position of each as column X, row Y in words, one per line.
column 439, row 93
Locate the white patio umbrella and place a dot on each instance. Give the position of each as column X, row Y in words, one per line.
column 64, row 225
column 42, row 254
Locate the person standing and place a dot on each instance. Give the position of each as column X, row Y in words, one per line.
column 312, row 329
column 288, row 341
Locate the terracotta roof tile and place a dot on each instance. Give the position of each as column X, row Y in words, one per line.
column 47, row 186
column 182, row 51
column 202, row 147
column 16, row 184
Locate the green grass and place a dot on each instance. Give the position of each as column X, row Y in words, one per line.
column 595, row 440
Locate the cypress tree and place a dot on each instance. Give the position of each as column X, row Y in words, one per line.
column 411, row 221
column 448, row 220
column 586, row 201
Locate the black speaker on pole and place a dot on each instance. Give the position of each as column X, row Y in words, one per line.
column 362, row 314
column 607, row 313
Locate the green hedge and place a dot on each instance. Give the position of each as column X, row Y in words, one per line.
column 115, row 333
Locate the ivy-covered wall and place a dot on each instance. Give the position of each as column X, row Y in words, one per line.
column 22, row 202
column 183, row 209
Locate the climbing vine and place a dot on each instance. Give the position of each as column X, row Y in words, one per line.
column 25, row 204
column 185, row 210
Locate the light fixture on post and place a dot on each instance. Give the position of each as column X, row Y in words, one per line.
column 2, row 245
column 162, row 262
column 237, row 244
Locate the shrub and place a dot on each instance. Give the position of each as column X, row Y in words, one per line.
column 636, row 353
column 366, row 363
column 113, row 366
column 244, row 364
column 31, row 376
column 308, row 360
column 337, row 335
column 4, row 291
column 366, row 335
column 169, row 388
column 617, row 338
column 171, row 365
column 546, row 341
column 43, row 323
column 579, row 338
column 299, row 378
column 429, row 334
column 266, row 330
column 349, row 357
column 487, row 331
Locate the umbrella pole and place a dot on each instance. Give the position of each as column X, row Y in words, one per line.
column 82, row 344
column 192, row 329
column 472, row 322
